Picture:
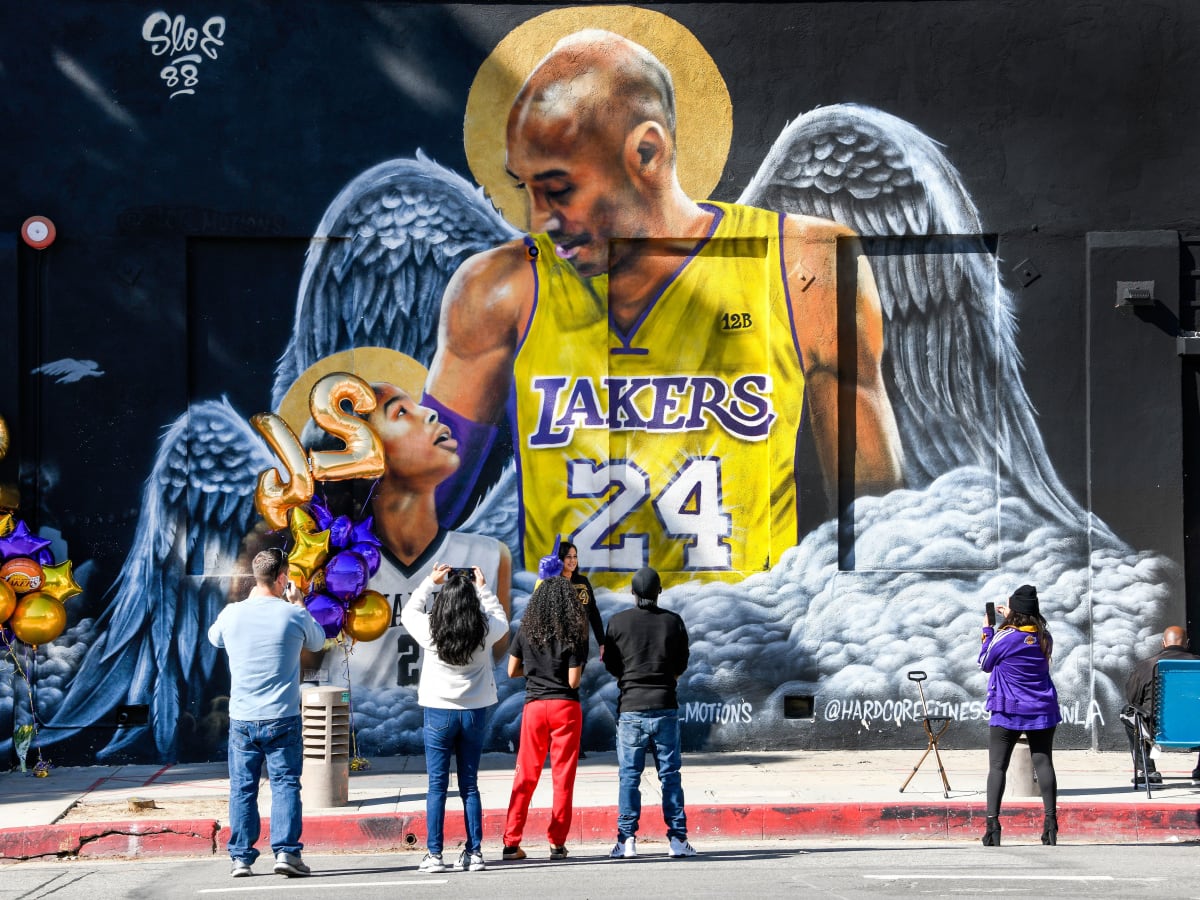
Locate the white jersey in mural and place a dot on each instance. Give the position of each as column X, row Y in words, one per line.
column 394, row 659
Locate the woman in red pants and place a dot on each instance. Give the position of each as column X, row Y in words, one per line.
column 549, row 650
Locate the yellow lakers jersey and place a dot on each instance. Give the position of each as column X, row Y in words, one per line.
column 671, row 444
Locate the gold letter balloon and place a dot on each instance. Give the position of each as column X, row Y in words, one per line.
column 363, row 456
column 274, row 498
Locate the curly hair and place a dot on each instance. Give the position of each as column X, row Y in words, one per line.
column 457, row 624
column 554, row 612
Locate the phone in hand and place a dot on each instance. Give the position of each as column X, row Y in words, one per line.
column 989, row 610
column 466, row 572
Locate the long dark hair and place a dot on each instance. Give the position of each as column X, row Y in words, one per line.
column 457, row 623
column 1022, row 620
column 555, row 613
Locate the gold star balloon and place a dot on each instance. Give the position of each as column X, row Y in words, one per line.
column 60, row 582
column 310, row 547
column 6, row 524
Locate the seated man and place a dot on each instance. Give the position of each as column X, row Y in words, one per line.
column 1138, row 691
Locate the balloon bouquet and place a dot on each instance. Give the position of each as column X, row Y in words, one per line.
column 331, row 556
column 33, row 589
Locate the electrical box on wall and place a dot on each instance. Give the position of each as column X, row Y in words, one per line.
column 1133, row 269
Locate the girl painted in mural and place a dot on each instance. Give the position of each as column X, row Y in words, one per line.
column 549, row 651
column 1022, row 700
column 583, row 588
column 456, row 688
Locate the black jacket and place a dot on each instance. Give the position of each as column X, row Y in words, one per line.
column 1137, row 688
column 646, row 649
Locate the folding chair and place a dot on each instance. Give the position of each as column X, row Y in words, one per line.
column 1177, row 703
column 1139, row 719
column 935, row 727
column 1175, row 723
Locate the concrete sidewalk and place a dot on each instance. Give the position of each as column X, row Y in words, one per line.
column 750, row 795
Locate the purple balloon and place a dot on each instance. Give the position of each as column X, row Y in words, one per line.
column 346, row 575
column 44, row 557
column 339, row 532
column 371, row 554
column 320, row 512
column 363, row 533
column 329, row 613
column 21, row 542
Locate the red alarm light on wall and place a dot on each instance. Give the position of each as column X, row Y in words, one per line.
column 38, row 232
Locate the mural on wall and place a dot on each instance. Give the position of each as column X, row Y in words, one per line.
column 585, row 346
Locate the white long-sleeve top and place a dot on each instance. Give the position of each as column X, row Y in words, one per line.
column 443, row 686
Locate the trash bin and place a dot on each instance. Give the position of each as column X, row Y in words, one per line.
column 325, row 717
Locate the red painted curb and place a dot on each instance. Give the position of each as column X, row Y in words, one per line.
column 189, row 837
column 1119, row 822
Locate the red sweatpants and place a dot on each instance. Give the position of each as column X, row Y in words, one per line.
column 557, row 725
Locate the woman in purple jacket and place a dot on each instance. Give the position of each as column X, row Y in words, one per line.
column 1022, row 700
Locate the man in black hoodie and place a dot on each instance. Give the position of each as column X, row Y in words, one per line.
column 646, row 649
column 1139, row 690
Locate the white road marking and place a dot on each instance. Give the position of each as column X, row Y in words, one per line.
column 1002, row 877
column 291, row 885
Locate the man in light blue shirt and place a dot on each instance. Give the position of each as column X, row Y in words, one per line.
column 263, row 636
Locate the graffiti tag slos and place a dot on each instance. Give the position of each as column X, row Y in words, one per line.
column 172, row 37
column 897, row 712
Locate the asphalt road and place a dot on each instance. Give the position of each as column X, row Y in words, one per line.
column 726, row 869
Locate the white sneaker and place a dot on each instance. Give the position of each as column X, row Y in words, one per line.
column 681, row 848
column 626, row 849
column 291, row 865
column 432, row 863
column 470, row 862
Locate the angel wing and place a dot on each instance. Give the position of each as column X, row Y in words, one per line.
column 152, row 647
column 951, row 361
column 380, row 260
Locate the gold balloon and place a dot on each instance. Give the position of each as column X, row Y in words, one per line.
column 38, row 619
column 302, row 520
column 363, row 456
column 8, row 600
column 310, row 548
column 298, row 577
column 60, row 582
column 368, row 617
column 3, row 438
column 6, row 524
column 273, row 497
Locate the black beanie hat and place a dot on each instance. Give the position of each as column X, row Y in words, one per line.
column 646, row 584
column 1025, row 601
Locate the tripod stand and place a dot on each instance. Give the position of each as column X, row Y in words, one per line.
column 935, row 727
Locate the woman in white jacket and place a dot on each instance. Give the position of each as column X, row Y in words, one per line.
column 456, row 688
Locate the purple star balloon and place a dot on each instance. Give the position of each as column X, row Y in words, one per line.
column 363, row 533
column 21, row 542
column 320, row 512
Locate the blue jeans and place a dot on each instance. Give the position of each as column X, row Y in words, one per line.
column 658, row 730
column 278, row 742
column 457, row 733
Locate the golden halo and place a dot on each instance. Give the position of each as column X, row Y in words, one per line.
column 371, row 364
column 703, row 111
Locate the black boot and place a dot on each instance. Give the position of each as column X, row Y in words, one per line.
column 1050, row 830
column 991, row 837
